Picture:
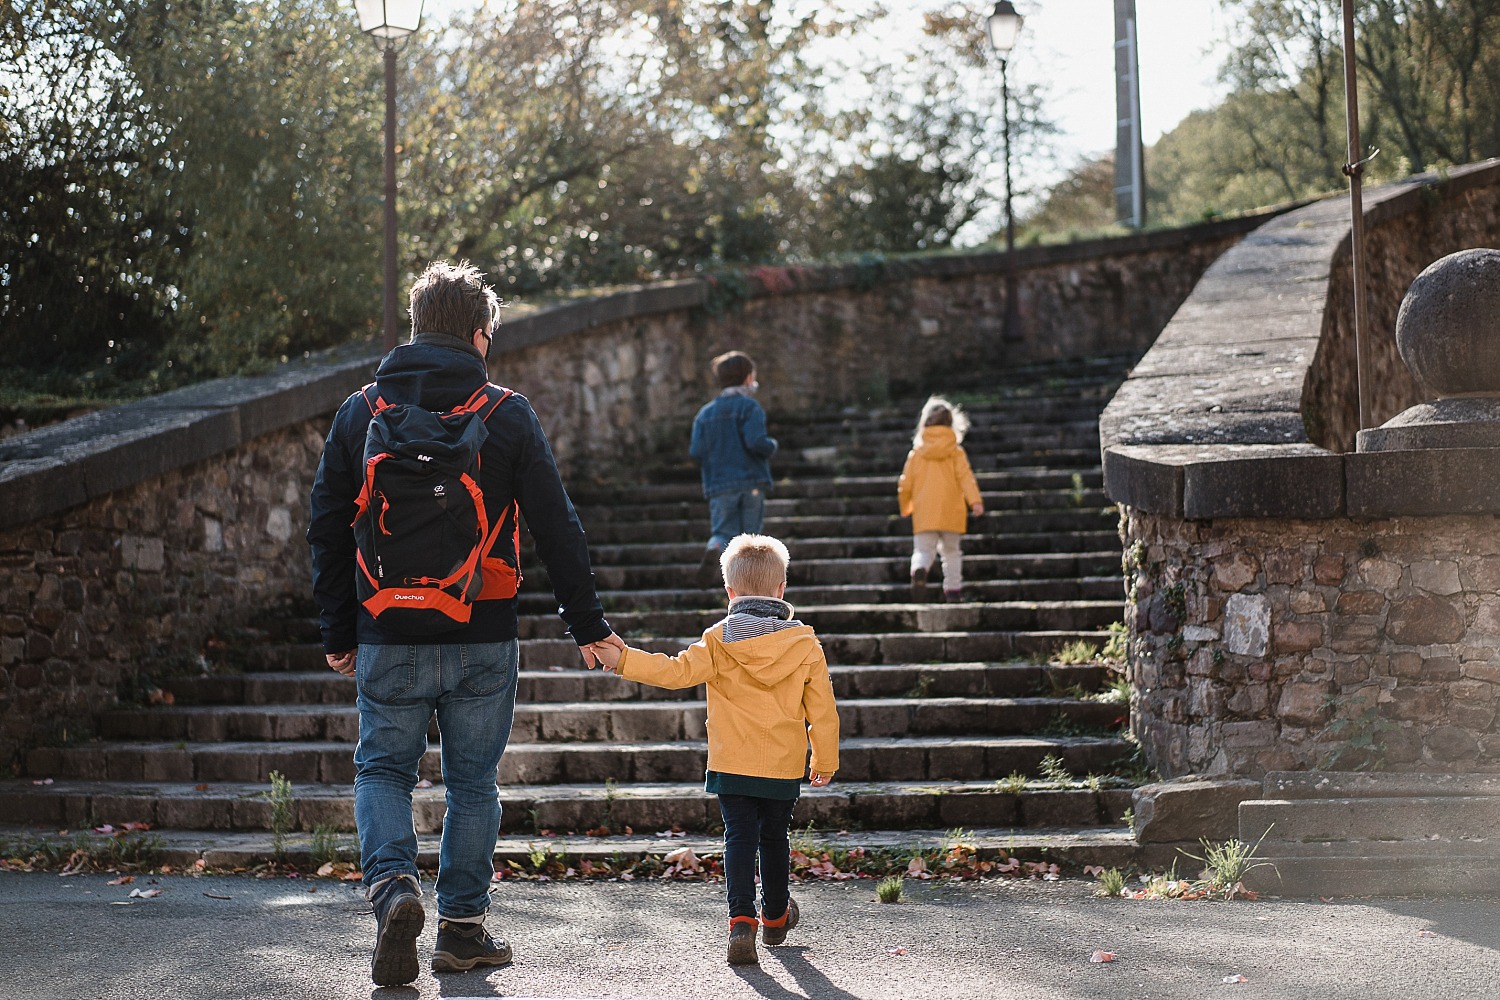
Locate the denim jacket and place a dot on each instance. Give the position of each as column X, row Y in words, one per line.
column 731, row 444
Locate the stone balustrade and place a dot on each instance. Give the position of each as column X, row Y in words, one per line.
column 1292, row 602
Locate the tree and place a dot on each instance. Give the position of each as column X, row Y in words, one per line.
column 183, row 189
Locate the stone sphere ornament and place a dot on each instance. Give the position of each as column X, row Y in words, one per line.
column 1448, row 329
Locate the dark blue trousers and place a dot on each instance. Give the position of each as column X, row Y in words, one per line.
column 756, row 826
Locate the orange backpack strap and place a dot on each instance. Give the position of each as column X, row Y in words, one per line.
column 378, row 403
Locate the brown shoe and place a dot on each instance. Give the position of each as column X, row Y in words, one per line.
column 918, row 585
column 708, row 568
column 742, row 941
column 775, row 930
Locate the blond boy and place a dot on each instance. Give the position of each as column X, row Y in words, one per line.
column 769, row 696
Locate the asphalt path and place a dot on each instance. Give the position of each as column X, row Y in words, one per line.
column 78, row 938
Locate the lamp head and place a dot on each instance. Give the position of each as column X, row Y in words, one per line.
column 1004, row 24
column 389, row 18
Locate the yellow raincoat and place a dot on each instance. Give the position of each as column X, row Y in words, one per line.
column 937, row 486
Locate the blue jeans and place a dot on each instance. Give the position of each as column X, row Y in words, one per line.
column 472, row 688
column 730, row 514
column 753, row 825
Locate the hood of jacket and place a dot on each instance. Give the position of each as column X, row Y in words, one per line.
column 433, row 370
column 771, row 658
column 938, row 442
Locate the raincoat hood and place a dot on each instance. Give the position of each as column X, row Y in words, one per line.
column 938, row 442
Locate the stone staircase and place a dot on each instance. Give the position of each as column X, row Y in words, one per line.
column 949, row 712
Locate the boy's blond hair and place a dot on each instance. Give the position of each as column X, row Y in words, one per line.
column 754, row 565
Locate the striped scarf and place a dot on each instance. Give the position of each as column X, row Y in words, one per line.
column 750, row 617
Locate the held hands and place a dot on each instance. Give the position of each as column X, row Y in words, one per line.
column 605, row 653
column 818, row 779
column 342, row 662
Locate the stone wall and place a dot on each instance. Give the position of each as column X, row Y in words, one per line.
column 131, row 586
column 136, row 535
column 1401, row 240
column 1287, row 645
column 1291, row 606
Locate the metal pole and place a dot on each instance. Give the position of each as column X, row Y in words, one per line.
column 390, row 197
column 1354, row 169
column 1008, row 330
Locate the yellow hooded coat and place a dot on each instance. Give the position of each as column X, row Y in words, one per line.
column 767, row 697
column 937, row 486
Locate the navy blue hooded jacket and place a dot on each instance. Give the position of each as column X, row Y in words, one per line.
column 440, row 372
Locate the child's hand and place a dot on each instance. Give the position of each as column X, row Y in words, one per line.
column 977, row 509
column 606, row 652
column 818, row 779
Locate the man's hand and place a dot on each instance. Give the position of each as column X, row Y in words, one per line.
column 818, row 779
column 605, row 653
column 342, row 662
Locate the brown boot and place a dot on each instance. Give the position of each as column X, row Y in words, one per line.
column 775, row 930
column 918, row 585
column 742, row 941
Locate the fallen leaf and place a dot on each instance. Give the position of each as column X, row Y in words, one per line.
column 1236, row 978
column 122, row 902
column 1426, row 934
column 424, row 783
column 1093, row 869
column 122, row 880
column 1102, row 956
column 201, row 788
column 215, row 895
column 895, row 949
column 326, row 870
column 42, row 781
column 146, row 893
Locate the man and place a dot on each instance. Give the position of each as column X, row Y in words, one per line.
column 466, row 675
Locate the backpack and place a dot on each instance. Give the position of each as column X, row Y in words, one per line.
column 421, row 530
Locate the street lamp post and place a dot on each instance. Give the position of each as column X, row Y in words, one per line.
column 388, row 21
column 1004, row 25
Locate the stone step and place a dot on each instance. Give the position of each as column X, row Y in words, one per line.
column 617, row 720
column 879, row 618
column 587, row 496
column 1383, row 785
column 568, row 808
column 1096, row 537
column 1439, row 866
column 853, row 648
column 859, row 648
column 985, row 437
column 1068, row 847
column 942, row 680
column 778, row 506
column 794, row 466
column 1405, row 818
column 690, row 596
column 911, row 758
column 797, row 528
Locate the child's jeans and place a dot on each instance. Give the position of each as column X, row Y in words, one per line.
column 730, row 514
column 753, row 825
column 925, row 547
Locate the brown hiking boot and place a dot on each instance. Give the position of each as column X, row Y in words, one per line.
column 398, row 920
column 742, row 941
column 774, row 931
column 918, row 585
column 708, row 568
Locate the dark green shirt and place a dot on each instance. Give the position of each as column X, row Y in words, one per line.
column 744, row 784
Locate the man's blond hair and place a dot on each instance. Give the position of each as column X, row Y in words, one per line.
column 754, row 565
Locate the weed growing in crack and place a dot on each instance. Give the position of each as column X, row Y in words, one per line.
column 888, row 890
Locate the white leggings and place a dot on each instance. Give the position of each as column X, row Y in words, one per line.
column 925, row 545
